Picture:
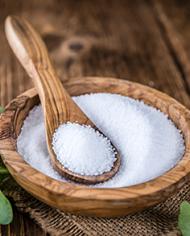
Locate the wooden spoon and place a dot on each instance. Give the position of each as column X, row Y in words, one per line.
column 58, row 106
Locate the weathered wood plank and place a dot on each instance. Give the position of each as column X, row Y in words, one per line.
column 22, row 225
column 174, row 21
column 123, row 40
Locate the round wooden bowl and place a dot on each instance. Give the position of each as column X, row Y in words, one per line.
column 82, row 199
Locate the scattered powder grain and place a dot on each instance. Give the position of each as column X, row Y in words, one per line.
column 83, row 150
column 148, row 142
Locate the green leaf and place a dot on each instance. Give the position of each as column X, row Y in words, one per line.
column 184, row 218
column 1, row 109
column 2, row 177
column 3, row 170
column 6, row 212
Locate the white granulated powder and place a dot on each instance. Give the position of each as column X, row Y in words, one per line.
column 148, row 142
column 83, row 150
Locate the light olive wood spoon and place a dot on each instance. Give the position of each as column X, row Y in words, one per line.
column 58, row 106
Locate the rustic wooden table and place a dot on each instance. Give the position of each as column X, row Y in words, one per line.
column 143, row 41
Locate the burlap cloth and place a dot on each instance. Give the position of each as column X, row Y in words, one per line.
column 158, row 220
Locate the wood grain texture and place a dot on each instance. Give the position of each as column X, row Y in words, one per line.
column 22, row 226
column 176, row 33
column 58, row 106
column 81, row 199
column 123, row 40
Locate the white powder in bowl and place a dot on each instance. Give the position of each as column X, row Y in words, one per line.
column 148, row 142
column 83, row 150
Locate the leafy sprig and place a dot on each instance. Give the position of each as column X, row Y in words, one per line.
column 6, row 212
column 184, row 218
column 1, row 109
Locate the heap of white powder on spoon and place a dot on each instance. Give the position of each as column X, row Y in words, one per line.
column 83, row 150
column 143, row 136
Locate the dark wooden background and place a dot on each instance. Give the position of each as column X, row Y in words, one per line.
column 143, row 41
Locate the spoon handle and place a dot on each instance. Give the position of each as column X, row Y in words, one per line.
column 33, row 55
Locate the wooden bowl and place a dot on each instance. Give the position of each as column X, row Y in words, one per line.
column 82, row 199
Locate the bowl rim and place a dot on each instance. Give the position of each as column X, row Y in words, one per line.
column 175, row 176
